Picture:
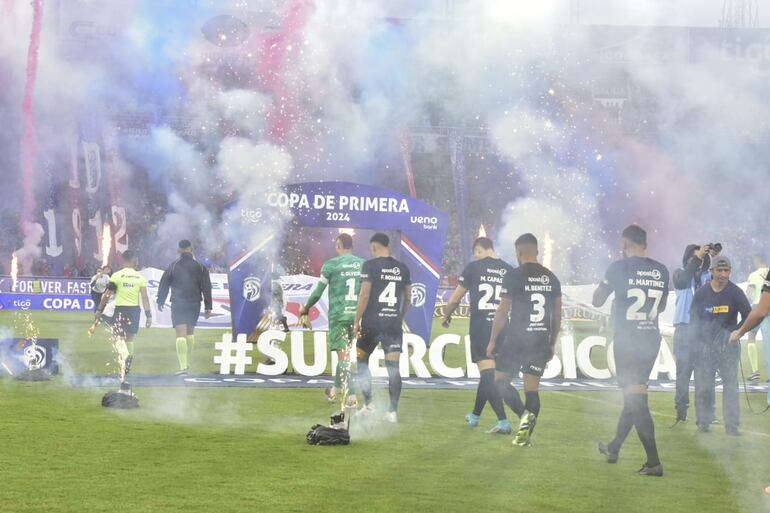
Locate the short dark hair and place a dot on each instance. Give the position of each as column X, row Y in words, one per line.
column 635, row 234
column 128, row 255
column 185, row 244
column 526, row 239
column 381, row 239
column 484, row 242
column 346, row 241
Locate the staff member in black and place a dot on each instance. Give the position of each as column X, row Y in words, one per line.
column 188, row 281
column 714, row 315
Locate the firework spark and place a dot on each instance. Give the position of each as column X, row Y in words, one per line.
column 14, row 271
column 547, row 250
column 106, row 243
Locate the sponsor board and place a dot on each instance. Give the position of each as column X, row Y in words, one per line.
column 283, row 350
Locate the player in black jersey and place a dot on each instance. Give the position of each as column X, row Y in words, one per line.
column 640, row 285
column 383, row 302
column 483, row 280
column 531, row 296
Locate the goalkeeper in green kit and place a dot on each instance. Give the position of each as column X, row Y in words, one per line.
column 342, row 275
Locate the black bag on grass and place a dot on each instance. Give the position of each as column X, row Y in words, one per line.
column 120, row 400
column 325, row 435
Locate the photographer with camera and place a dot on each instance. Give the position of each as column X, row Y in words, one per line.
column 687, row 280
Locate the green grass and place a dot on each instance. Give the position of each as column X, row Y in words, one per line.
column 205, row 450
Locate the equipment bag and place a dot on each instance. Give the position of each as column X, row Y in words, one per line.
column 325, row 435
column 120, row 400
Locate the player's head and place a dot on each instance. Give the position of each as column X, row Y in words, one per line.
column 720, row 269
column 634, row 240
column 483, row 247
column 129, row 258
column 526, row 248
column 760, row 260
column 380, row 245
column 344, row 243
column 185, row 246
column 107, row 270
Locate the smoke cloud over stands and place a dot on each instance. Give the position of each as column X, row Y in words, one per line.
column 586, row 129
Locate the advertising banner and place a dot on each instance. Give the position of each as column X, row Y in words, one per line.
column 341, row 205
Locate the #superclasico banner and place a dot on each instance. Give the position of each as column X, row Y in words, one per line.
column 339, row 205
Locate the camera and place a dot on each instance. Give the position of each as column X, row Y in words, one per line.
column 716, row 246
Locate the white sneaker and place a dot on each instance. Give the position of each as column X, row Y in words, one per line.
column 365, row 411
column 391, row 417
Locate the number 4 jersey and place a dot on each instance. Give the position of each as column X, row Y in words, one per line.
column 533, row 291
column 388, row 277
column 640, row 285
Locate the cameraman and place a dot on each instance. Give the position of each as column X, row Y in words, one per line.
column 714, row 314
column 686, row 280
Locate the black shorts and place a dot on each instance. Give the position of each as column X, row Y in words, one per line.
column 126, row 320
column 185, row 314
column 369, row 339
column 479, row 336
column 634, row 360
column 531, row 359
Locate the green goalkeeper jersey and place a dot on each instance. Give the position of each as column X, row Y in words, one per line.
column 342, row 274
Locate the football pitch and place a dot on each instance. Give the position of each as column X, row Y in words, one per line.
column 238, row 449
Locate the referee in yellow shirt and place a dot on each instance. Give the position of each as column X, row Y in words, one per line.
column 127, row 285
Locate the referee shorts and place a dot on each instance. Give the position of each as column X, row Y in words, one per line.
column 185, row 313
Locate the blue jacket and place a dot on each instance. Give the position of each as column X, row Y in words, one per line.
column 686, row 282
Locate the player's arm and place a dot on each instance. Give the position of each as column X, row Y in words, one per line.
column 146, row 305
column 555, row 325
column 363, row 300
column 163, row 288
column 501, row 319
column 208, row 303
column 453, row 303
column 601, row 294
column 407, row 302
column 318, row 291
column 753, row 318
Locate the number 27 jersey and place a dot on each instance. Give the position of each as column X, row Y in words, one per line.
column 388, row 277
column 640, row 285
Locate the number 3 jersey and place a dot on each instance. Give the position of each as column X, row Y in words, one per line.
column 640, row 285
column 388, row 277
column 533, row 291
column 483, row 279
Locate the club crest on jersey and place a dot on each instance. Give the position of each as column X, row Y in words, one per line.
column 654, row 274
column 252, row 288
column 419, row 294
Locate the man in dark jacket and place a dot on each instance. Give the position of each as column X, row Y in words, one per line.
column 188, row 281
column 687, row 281
column 714, row 314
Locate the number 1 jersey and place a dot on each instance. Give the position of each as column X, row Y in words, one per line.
column 388, row 277
column 640, row 285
